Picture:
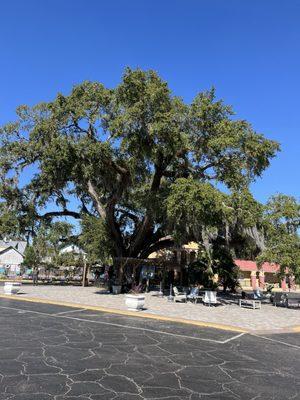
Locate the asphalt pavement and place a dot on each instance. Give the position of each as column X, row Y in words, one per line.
column 55, row 352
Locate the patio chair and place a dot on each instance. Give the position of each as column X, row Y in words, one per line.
column 194, row 295
column 210, row 297
column 179, row 296
column 280, row 299
column 257, row 295
column 293, row 299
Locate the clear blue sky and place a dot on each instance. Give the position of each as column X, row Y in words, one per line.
column 249, row 50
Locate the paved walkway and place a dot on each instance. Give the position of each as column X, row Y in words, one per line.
column 268, row 318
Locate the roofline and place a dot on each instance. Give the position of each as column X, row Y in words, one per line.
column 11, row 247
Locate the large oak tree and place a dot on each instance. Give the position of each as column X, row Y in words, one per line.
column 129, row 154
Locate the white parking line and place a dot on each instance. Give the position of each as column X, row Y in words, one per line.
column 58, row 315
column 72, row 311
column 233, row 338
column 277, row 341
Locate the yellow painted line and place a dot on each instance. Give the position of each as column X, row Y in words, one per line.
column 129, row 313
column 15, row 280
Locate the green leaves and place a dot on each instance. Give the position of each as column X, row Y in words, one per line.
column 146, row 118
column 9, row 224
column 193, row 205
column 95, row 240
column 32, row 259
column 46, row 245
column 282, row 220
column 244, row 209
column 234, row 153
column 283, row 212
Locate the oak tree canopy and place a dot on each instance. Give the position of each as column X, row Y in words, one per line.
column 145, row 167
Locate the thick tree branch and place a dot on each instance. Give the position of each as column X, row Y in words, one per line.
column 95, row 197
column 64, row 213
column 121, row 170
column 115, row 227
column 107, row 213
column 207, row 166
column 146, row 227
column 129, row 214
column 211, row 177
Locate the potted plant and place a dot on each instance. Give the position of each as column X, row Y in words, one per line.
column 135, row 300
column 210, row 294
column 116, row 287
column 212, row 286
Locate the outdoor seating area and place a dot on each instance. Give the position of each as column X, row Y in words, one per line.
column 289, row 299
column 195, row 295
column 226, row 312
column 253, row 300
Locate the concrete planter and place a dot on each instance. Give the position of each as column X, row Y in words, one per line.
column 116, row 289
column 12, row 287
column 135, row 302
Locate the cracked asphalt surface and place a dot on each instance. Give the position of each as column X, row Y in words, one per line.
column 54, row 352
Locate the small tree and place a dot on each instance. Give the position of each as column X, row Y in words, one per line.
column 45, row 247
column 225, row 267
column 217, row 261
column 32, row 258
column 199, row 273
column 282, row 222
column 95, row 241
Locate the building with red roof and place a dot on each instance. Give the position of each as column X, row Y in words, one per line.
column 251, row 276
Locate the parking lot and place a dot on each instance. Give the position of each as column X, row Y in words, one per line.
column 55, row 352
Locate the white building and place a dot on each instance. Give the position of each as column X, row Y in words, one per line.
column 73, row 249
column 11, row 256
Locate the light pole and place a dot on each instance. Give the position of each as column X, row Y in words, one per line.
column 170, row 297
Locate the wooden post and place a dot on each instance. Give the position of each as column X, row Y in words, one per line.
column 85, row 272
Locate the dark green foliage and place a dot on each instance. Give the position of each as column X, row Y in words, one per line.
column 9, row 224
column 94, row 239
column 32, row 258
column 200, row 274
column 192, row 205
column 217, row 260
column 46, row 245
column 281, row 223
column 225, row 267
